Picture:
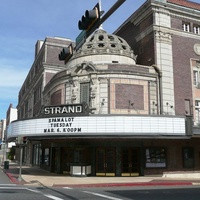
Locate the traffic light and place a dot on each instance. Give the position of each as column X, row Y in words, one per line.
column 91, row 20
column 24, row 140
column 66, row 53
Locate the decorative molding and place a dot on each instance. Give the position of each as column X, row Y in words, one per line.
column 197, row 49
column 161, row 36
column 161, row 10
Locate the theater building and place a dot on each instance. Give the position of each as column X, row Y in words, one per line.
column 123, row 105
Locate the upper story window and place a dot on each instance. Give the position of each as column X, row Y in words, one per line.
column 195, row 77
column 37, row 95
column 56, row 98
column 196, row 29
column 197, row 103
column 85, row 93
column 186, row 26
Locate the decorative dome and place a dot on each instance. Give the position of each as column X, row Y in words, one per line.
column 102, row 43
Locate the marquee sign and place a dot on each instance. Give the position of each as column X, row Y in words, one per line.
column 98, row 126
column 66, row 110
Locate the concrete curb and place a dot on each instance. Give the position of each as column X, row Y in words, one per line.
column 158, row 183
column 12, row 178
column 33, row 177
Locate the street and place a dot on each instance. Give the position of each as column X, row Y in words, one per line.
column 15, row 192
column 10, row 191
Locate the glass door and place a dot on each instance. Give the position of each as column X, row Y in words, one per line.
column 105, row 162
column 130, row 162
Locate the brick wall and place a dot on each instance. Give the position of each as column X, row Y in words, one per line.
column 127, row 92
column 182, row 53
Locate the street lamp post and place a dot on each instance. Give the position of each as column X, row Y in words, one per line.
column 21, row 142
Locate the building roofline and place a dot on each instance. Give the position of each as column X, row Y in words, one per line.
column 185, row 3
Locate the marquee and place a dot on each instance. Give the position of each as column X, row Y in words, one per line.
column 99, row 126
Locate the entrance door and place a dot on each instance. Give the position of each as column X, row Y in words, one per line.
column 105, row 162
column 130, row 162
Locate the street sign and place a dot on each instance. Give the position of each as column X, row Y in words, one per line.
column 80, row 40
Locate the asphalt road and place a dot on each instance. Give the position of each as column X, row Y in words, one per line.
column 4, row 178
column 14, row 192
column 10, row 191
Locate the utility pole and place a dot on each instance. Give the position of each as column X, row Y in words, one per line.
column 20, row 163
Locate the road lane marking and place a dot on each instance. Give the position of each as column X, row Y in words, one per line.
column 52, row 197
column 46, row 195
column 13, row 188
column 31, row 190
column 68, row 188
column 101, row 195
column 8, row 185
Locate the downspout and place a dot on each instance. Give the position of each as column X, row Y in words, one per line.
column 160, row 87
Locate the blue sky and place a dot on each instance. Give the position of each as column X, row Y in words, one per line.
column 23, row 22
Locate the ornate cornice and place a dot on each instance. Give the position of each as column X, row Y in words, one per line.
column 161, row 36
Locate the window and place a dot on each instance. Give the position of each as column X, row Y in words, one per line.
column 37, row 154
column 37, row 94
column 188, row 157
column 186, row 27
column 196, row 29
column 26, row 108
column 85, row 93
column 46, row 156
column 197, row 112
column 195, row 77
column 196, row 74
column 56, row 98
column 197, row 103
column 156, row 157
column 187, row 107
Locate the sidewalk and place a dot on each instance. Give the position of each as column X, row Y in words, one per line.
column 34, row 176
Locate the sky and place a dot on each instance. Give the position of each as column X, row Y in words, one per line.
column 23, row 22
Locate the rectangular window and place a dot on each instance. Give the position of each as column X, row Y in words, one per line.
column 35, row 97
column 156, row 157
column 37, row 154
column 188, row 157
column 197, row 103
column 196, row 29
column 186, row 27
column 195, row 77
column 197, row 112
column 37, row 94
column 26, row 109
column 187, row 107
column 85, row 93
column 56, row 98
column 46, row 156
